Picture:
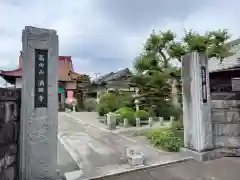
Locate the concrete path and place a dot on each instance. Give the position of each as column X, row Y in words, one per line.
column 93, row 119
column 219, row 169
column 99, row 152
column 65, row 161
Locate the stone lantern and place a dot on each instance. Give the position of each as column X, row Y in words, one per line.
column 73, row 102
column 136, row 96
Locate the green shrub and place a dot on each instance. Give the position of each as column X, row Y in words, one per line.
column 165, row 139
column 125, row 100
column 111, row 100
column 179, row 134
column 127, row 113
column 107, row 103
column 167, row 109
column 103, row 109
column 124, row 109
column 178, row 124
column 143, row 115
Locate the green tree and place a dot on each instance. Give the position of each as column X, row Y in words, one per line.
column 156, row 76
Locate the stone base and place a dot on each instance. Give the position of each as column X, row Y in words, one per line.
column 112, row 127
column 199, row 156
column 136, row 160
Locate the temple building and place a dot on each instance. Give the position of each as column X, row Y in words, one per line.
column 67, row 78
column 111, row 82
column 225, row 77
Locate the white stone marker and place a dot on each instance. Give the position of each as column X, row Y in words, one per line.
column 138, row 122
column 39, row 108
column 196, row 106
column 111, row 121
column 125, row 122
column 150, row 121
column 171, row 120
column 161, row 121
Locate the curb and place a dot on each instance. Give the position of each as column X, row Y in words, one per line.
column 142, row 168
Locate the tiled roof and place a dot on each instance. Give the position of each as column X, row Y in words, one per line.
column 65, row 72
column 229, row 62
column 112, row 76
column 101, row 79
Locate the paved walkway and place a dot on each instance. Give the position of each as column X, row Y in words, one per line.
column 65, row 161
column 100, row 152
column 220, row 169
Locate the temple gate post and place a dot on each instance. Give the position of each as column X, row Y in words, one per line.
column 198, row 139
column 39, row 108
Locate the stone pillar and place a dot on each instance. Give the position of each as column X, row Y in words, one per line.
column 171, row 120
column 39, row 108
column 125, row 122
column 111, row 121
column 98, row 96
column 161, row 120
column 138, row 122
column 150, row 121
column 196, row 106
column 63, row 99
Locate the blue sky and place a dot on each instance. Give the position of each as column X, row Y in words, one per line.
column 106, row 35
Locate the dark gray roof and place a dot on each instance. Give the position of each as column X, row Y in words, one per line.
column 229, row 62
column 102, row 78
column 112, row 76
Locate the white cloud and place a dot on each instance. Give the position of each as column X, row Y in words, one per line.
column 92, row 34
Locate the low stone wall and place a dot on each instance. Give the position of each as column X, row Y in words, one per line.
column 8, row 162
column 9, row 133
column 226, row 125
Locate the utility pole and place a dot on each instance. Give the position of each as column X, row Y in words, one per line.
column 96, row 75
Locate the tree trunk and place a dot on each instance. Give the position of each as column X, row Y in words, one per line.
column 174, row 93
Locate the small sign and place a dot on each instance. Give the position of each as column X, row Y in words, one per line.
column 204, row 84
column 41, row 75
column 236, row 84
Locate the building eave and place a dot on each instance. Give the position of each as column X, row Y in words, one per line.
column 13, row 73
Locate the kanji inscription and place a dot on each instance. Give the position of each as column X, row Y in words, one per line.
column 41, row 72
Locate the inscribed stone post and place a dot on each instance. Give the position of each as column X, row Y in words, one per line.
column 38, row 151
column 196, row 103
